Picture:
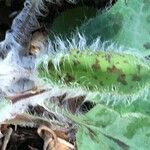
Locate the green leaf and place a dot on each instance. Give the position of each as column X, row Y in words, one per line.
column 127, row 25
column 95, row 141
column 132, row 128
column 123, row 103
column 99, row 70
column 69, row 20
column 100, row 116
column 139, row 105
column 127, row 131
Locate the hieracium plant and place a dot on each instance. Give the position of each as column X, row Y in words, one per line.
column 98, row 80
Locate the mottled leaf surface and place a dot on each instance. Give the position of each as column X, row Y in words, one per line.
column 127, row 24
column 106, row 129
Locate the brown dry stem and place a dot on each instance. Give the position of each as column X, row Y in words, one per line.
column 7, row 138
column 52, row 141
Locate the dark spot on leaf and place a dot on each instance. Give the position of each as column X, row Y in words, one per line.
column 136, row 78
column 95, row 77
column 50, row 65
column 96, row 66
column 40, row 111
column 101, row 83
column 146, row 1
column 61, row 62
column 68, row 78
column 131, row 87
column 90, row 87
column 148, row 134
column 76, row 62
column 131, row 17
column 148, row 18
column 135, row 126
column 147, row 45
column 125, row 61
column 114, row 69
column 147, row 57
column 121, row 79
column 108, row 57
column 58, row 76
column 139, row 68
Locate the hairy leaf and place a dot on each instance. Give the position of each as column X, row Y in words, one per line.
column 99, row 70
column 126, row 24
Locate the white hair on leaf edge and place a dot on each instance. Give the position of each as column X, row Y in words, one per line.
column 79, row 43
column 17, row 67
column 46, row 100
column 56, row 49
column 22, row 105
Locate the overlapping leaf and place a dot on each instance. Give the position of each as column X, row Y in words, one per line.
column 127, row 131
column 127, row 24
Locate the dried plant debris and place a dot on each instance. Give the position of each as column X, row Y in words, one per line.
column 52, row 141
column 64, row 137
column 23, row 139
column 43, row 137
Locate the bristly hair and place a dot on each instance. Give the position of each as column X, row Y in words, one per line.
column 60, row 46
column 17, row 68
